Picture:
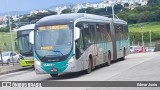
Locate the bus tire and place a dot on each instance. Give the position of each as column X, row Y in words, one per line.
column 54, row 75
column 89, row 70
column 109, row 59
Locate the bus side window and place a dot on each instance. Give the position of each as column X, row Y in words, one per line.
column 100, row 33
column 79, row 43
column 125, row 31
column 79, row 46
column 118, row 30
column 86, row 37
column 108, row 32
column 92, row 34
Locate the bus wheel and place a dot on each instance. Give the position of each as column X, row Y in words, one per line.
column 124, row 54
column 89, row 70
column 54, row 75
column 109, row 59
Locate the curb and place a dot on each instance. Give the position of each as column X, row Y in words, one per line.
column 21, row 69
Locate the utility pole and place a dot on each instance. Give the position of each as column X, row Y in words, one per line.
column 150, row 37
column 113, row 10
column 1, row 57
column 11, row 38
column 142, row 38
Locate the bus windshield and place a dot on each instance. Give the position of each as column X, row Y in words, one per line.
column 25, row 48
column 54, row 43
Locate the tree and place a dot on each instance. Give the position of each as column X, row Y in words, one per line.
column 24, row 19
column 83, row 10
column 118, row 8
column 153, row 2
column 148, row 13
column 68, row 10
column 90, row 10
column 126, row 5
column 35, row 17
column 12, row 22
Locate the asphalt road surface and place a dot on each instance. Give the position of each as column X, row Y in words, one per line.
column 136, row 67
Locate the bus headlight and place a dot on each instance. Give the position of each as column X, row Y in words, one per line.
column 38, row 62
column 71, row 60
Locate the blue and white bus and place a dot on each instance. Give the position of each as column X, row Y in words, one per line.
column 75, row 42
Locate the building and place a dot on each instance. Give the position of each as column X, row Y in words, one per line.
column 103, row 4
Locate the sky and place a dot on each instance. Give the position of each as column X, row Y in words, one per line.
column 25, row 5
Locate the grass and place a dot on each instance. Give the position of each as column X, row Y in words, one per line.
column 153, row 26
column 5, row 40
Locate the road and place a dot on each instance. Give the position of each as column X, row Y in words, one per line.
column 136, row 67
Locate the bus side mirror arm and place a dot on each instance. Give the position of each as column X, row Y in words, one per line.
column 31, row 37
column 76, row 33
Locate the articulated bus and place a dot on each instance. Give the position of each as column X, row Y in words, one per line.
column 24, row 46
column 78, row 42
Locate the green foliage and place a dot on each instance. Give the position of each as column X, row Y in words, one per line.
column 102, row 11
column 135, row 31
column 126, row 5
column 4, row 29
column 68, row 10
column 5, row 40
column 150, row 13
column 37, row 16
column 137, row 36
column 87, row 10
column 118, row 8
column 153, row 2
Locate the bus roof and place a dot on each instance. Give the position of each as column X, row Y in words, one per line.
column 66, row 18
column 26, row 27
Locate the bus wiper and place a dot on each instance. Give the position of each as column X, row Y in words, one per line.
column 42, row 57
column 45, row 57
column 58, row 51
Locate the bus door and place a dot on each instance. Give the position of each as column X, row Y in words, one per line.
column 93, row 41
column 100, row 44
column 119, row 43
column 101, row 32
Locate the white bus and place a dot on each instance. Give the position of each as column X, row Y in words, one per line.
column 76, row 42
column 25, row 48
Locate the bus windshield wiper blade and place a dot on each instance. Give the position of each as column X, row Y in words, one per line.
column 47, row 56
column 42, row 57
column 58, row 51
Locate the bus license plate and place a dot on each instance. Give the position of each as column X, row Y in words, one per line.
column 54, row 70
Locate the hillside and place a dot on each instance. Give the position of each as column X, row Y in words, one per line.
column 149, row 13
column 136, row 32
column 153, row 26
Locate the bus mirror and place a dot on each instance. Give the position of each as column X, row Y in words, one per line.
column 76, row 33
column 31, row 37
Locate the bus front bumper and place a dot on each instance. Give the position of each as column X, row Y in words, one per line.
column 25, row 62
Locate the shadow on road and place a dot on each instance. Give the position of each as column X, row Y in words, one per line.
column 78, row 74
column 67, row 76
